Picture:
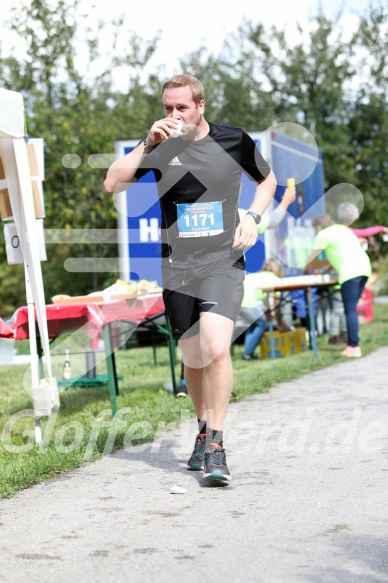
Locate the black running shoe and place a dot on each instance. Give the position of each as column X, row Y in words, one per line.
column 182, row 390
column 215, row 469
column 196, row 461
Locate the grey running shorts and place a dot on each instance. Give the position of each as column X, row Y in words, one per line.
column 200, row 285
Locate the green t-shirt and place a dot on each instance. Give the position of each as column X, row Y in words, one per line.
column 253, row 285
column 343, row 250
column 298, row 250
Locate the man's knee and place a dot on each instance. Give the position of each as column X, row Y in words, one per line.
column 193, row 361
column 215, row 350
column 191, row 352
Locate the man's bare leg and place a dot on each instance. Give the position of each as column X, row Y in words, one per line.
column 208, row 368
column 209, row 379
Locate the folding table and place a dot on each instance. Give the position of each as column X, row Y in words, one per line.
column 5, row 330
column 305, row 283
column 99, row 318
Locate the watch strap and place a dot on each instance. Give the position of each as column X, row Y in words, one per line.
column 256, row 217
column 146, row 145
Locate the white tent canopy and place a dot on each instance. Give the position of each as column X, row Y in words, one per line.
column 11, row 114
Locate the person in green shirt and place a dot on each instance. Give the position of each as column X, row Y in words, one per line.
column 255, row 303
column 353, row 266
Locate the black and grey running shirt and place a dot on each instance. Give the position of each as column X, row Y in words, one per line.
column 198, row 187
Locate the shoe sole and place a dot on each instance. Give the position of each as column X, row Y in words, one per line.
column 217, row 476
column 180, row 395
column 195, row 468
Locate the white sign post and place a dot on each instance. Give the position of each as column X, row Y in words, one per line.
column 20, row 203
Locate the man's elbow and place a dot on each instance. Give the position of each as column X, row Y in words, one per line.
column 271, row 178
column 109, row 186
column 269, row 182
column 113, row 187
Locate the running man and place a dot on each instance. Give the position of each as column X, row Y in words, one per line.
column 198, row 175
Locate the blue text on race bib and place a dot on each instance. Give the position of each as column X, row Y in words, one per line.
column 200, row 219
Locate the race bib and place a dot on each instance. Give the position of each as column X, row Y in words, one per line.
column 200, row 219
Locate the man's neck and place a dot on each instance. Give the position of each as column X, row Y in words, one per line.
column 204, row 129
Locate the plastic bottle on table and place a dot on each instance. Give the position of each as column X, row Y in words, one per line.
column 66, row 371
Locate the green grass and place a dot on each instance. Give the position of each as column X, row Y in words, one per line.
column 82, row 429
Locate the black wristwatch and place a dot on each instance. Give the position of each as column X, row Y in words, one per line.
column 256, row 217
column 146, row 145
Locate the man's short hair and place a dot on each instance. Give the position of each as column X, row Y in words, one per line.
column 184, row 80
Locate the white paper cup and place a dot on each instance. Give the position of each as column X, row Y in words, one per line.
column 175, row 133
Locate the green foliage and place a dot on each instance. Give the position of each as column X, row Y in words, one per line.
column 233, row 94
column 369, row 116
column 12, row 286
column 75, row 117
column 307, row 83
column 335, row 88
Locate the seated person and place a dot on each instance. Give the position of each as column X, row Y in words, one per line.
column 255, row 303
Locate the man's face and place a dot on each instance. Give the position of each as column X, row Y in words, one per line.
column 178, row 103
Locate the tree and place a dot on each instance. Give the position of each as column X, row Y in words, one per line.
column 369, row 115
column 233, row 94
column 307, row 84
column 335, row 88
column 77, row 117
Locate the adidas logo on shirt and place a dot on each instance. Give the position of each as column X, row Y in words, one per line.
column 175, row 162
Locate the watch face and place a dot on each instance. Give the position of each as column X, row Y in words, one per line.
column 256, row 217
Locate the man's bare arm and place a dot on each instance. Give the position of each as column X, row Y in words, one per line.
column 246, row 232
column 264, row 194
column 121, row 173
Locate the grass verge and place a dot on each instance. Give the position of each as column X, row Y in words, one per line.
column 83, row 430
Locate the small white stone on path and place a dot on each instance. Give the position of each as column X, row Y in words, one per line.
column 177, row 490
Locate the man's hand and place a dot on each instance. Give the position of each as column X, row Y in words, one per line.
column 161, row 130
column 245, row 235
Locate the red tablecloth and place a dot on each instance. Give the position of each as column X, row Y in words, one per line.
column 5, row 330
column 63, row 318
